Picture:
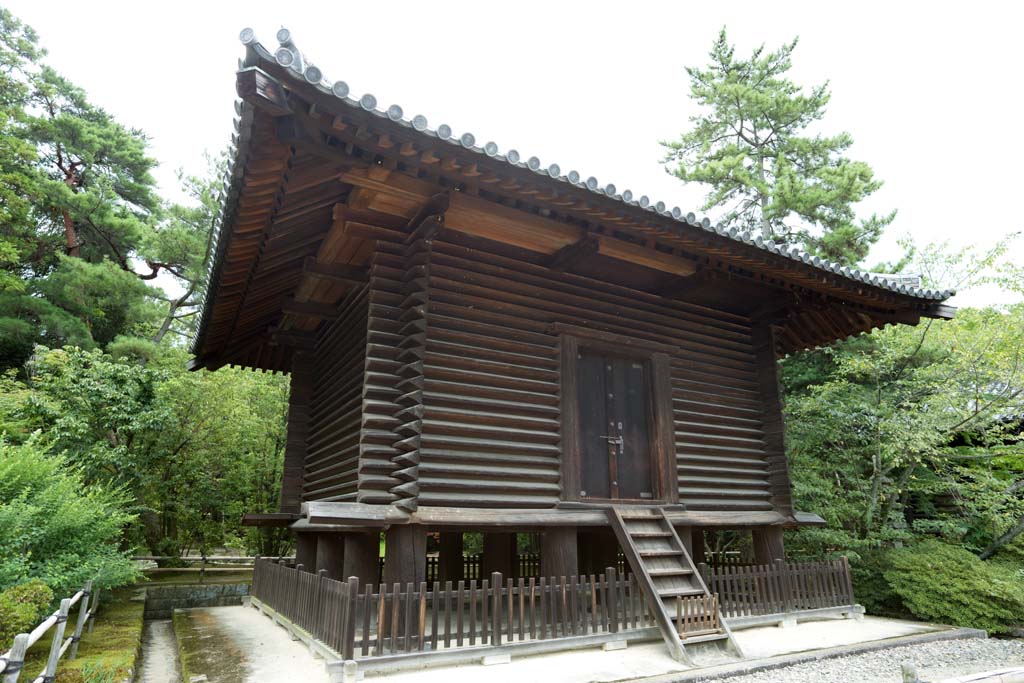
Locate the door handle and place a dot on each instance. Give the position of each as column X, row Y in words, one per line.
column 616, row 441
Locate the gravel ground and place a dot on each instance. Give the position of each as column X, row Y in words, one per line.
column 934, row 661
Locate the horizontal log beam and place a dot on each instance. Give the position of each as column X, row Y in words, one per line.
column 277, row 519
column 335, row 271
column 481, row 518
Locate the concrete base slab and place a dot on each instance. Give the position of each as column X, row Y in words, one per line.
column 615, row 645
column 764, row 646
column 491, row 660
column 240, row 645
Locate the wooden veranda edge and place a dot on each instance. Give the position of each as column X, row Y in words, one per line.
column 317, row 513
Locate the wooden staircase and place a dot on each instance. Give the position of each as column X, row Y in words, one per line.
column 686, row 612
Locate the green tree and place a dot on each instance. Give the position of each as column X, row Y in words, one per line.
column 753, row 144
column 914, row 431
column 194, row 450
column 83, row 233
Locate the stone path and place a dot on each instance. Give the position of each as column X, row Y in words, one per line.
column 159, row 654
column 240, row 645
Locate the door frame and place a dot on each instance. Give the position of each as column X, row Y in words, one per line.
column 662, row 437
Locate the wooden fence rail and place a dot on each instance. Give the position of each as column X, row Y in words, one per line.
column 780, row 587
column 472, row 566
column 372, row 621
column 12, row 661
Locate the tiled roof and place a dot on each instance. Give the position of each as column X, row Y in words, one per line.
column 287, row 55
column 301, row 68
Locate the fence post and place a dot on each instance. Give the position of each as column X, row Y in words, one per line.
column 848, row 580
column 92, row 610
column 83, row 612
column 496, row 582
column 785, row 585
column 613, row 607
column 349, row 641
column 16, row 658
column 58, row 640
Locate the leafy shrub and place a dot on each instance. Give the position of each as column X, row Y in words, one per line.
column 944, row 583
column 54, row 527
column 21, row 608
column 870, row 587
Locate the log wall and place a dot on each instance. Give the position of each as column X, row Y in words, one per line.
column 490, row 431
column 332, row 448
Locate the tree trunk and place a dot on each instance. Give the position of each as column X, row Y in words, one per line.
column 70, row 231
column 70, row 235
column 172, row 311
column 995, row 545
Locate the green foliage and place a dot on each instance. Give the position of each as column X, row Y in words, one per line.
column 767, row 171
column 194, row 451
column 911, row 437
column 54, row 526
column 943, row 583
column 21, row 608
column 82, row 230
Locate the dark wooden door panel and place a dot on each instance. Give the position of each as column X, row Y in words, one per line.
column 595, row 478
column 614, row 397
column 635, row 456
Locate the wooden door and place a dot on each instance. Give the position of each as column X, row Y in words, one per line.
column 614, row 395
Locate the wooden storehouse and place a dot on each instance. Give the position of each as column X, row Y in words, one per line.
column 481, row 342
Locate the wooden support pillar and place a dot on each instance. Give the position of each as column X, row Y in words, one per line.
column 597, row 549
column 405, row 554
column 500, row 555
column 362, row 558
column 450, row 560
column 698, row 554
column 330, row 553
column 305, row 551
column 768, row 545
column 558, row 552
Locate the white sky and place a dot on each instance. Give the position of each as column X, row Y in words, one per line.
column 932, row 93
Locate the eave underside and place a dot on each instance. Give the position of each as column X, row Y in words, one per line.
column 320, row 183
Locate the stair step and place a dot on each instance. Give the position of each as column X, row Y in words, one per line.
column 670, row 571
column 677, row 592
column 659, row 553
column 651, row 534
column 703, row 637
column 642, row 516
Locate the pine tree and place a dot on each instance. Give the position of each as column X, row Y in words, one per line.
column 83, row 233
column 766, row 169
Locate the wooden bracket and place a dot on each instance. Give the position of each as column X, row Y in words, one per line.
column 569, row 256
column 261, row 90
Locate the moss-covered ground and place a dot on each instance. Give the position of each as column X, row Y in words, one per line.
column 109, row 653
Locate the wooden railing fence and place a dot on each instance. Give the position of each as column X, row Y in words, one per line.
column 780, row 587
column 373, row 621
column 472, row 566
column 730, row 559
column 13, row 660
column 697, row 615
